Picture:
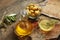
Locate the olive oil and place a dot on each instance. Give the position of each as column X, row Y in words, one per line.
column 23, row 28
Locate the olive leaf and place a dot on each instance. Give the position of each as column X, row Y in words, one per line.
column 10, row 19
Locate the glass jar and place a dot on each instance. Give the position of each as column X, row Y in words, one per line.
column 23, row 28
column 33, row 11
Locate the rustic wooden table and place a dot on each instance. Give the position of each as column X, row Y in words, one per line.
column 16, row 6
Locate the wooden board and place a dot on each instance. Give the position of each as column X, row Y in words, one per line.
column 16, row 6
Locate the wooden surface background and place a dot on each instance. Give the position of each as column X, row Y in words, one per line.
column 16, row 6
column 9, row 7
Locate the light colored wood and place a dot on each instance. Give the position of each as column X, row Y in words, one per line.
column 52, row 8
